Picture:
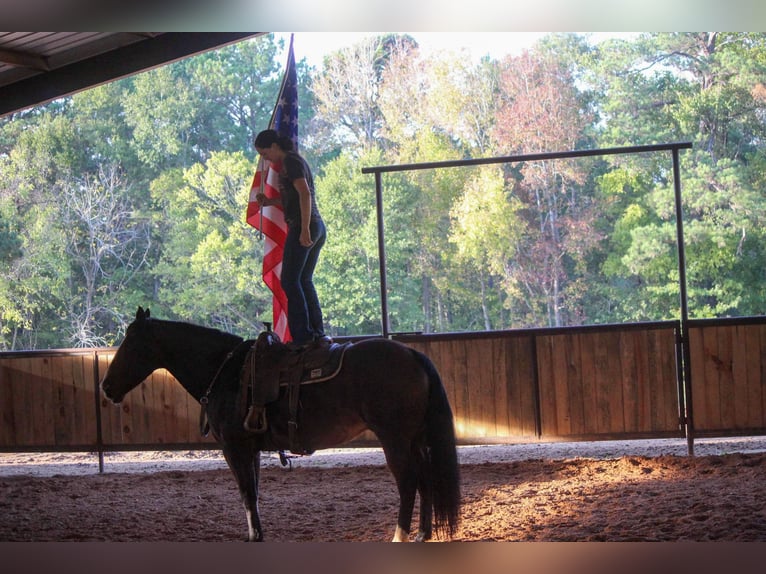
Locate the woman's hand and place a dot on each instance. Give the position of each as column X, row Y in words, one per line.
column 306, row 238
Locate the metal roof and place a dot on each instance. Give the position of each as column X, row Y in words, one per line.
column 37, row 67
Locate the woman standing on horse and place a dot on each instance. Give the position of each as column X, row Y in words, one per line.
column 306, row 234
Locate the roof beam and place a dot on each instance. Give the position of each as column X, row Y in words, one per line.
column 24, row 60
column 110, row 66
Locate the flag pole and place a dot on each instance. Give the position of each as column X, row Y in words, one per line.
column 261, row 168
column 284, row 80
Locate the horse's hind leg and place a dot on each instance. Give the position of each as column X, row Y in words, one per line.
column 245, row 465
column 402, row 464
column 426, row 496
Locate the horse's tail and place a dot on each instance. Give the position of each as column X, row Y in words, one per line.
column 440, row 436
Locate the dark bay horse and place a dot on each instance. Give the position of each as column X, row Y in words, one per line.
column 383, row 386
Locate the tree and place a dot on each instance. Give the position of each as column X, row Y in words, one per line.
column 161, row 111
column 705, row 88
column 36, row 272
column 209, row 268
column 106, row 245
column 543, row 111
column 486, row 229
column 348, row 94
column 348, row 274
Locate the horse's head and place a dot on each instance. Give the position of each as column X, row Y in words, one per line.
column 134, row 361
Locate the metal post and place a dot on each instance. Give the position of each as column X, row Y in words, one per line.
column 382, row 257
column 99, row 432
column 686, row 363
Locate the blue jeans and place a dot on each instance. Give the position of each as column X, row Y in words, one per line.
column 304, row 314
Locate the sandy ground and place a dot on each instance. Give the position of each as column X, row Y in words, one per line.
column 596, row 491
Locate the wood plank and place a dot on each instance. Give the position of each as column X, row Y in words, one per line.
column 547, row 386
column 7, row 411
column 165, row 421
column 560, row 355
column 438, row 352
column 706, row 388
column 573, row 357
column 590, row 395
column 725, row 380
column 179, row 411
column 25, row 402
column 712, row 382
column 111, row 414
column 643, row 381
column 170, row 409
column 84, row 388
column 654, row 369
column 462, row 383
column 141, row 413
column 481, row 408
column 432, row 350
column 699, row 390
column 43, row 407
column 22, row 397
column 616, row 396
column 739, row 379
column 500, row 383
column 756, row 417
column 525, row 376
column 669, row 379
column 762, row 333
column 513, row 391
column 519, row 367
column 446, row 371
column 603, row 384
column 82, row 400
column 162, row 416
column 134, row 414
column 629, row 379
column 63, row 397
column 664, row 393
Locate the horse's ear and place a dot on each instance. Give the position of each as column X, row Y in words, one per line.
column 147, row 312
column 141, row 314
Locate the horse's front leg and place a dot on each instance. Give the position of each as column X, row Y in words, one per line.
column 245, row 464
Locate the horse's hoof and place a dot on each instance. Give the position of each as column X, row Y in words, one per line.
column 401, row 535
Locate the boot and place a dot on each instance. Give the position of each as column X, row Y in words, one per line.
column 322, row 340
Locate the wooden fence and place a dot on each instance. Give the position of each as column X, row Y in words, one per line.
column 560, row 384
column 728, row 371
column 588, row 383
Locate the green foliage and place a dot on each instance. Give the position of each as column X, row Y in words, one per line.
column 209, row 270
column 348, row 275
column 134, row 193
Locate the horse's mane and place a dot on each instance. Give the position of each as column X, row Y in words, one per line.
column 199, row 330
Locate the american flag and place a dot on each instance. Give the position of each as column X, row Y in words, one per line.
column 270, row 220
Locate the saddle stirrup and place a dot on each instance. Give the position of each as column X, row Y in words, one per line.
column 255, row 420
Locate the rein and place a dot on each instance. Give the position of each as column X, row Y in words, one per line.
column 204, row 425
